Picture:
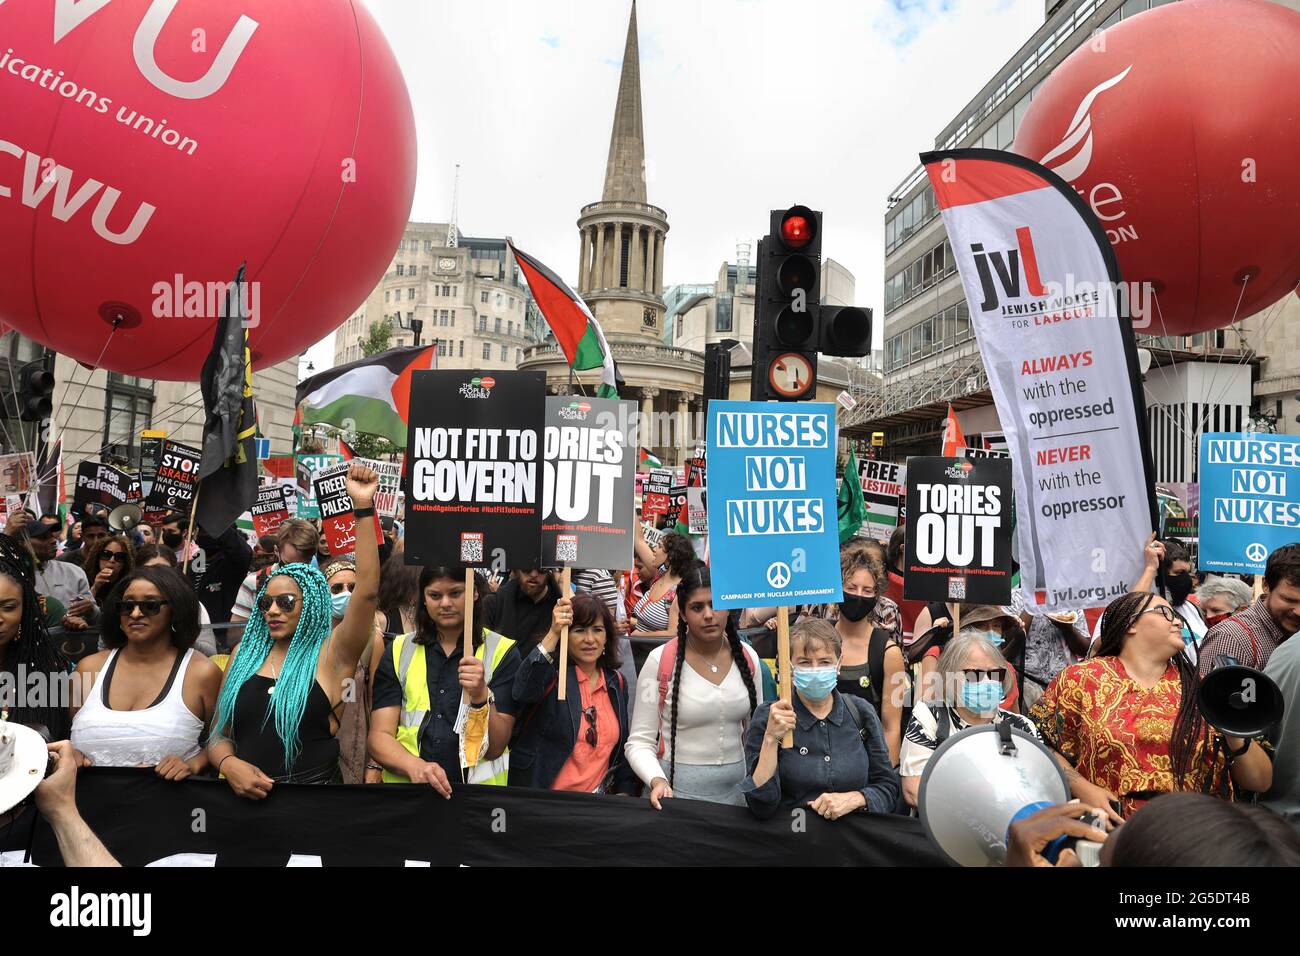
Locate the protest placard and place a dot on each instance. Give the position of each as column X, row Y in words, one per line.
column 99, row 486
column 773, row 533
column 388, row 496
column 958, row 541
column 1250, row 499
column 17, row 473
column 305, row 467
column 151, row 443
column 658, row 486
column 474, row 481
column 338, row 523
column 272, row 507
column 589, row 467
column 175, row 478
column 883, row 486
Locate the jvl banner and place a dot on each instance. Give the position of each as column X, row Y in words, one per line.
column 1047, row 306
column 773, row 527
column 1250, row 500
column 590, row 468
column 473, row 469
column 883, row 486
column 958, row 542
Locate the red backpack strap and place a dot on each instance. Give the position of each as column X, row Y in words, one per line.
column 667, row 660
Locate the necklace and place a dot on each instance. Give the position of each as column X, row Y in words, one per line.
column 713, row 664
column 274, row 676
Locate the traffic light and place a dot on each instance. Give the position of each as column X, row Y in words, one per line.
column 787, row 312
column 35, row 392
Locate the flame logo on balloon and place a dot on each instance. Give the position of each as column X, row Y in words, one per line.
column 1080, row 128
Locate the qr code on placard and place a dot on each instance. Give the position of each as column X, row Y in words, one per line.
column 566, row 548
column 956, row 589
column 471, row 548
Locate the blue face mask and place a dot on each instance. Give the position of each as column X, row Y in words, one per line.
column 1188, row 637
column 815, row 683
column 983, row 696
column 340, row 602
column 993, row 637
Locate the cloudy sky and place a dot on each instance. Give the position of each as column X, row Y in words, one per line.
column 749, row 105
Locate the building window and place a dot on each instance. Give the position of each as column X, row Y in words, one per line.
column 487, row 351
column 128, row 409
column 504, row 352
column 498, row 326
column 482, row 323
column 410, row 294
column 460, row 349
column 401, row 269
column 483, row 297
column 386, row 296
column 722, row 313
column 442, row 348
column 625, row 242
column 428, row 245
column 519, row 356
column 498, row 301
column 510, row 328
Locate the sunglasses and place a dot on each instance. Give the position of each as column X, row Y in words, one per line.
column 975, row 675
column 118, row 556
column 285, row 602
column 590, row 714
column 337, row 587
column 149, row 608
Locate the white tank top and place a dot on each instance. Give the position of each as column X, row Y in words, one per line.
column 130, row 738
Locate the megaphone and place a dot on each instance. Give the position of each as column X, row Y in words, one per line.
column 124, row 517
column 978, row 783
column 1239, row 701
column 24, row 763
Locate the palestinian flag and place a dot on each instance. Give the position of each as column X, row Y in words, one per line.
column 575, row 328
column 370, row 395
column 648, row 461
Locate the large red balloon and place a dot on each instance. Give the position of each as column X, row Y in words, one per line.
column 1183, row 131
column 146, row 144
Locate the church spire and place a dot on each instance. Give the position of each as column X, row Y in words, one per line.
column 625, row 170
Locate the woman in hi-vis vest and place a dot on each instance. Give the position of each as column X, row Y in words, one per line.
column 278, row 711
column 439, row 716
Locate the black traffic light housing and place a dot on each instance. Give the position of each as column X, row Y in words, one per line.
column 35, row 391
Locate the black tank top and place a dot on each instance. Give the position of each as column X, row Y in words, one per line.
column 256, row 741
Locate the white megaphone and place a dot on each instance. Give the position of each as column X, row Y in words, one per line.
column 978, row 783
column 24, row 761
column 124, row 517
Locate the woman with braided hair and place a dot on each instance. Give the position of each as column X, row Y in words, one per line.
column 705, row 683
column 27, row 649
column 278, row 711
column 1126, row 724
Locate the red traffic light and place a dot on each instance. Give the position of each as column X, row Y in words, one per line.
column 798, row 227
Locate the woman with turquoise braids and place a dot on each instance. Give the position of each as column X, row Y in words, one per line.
column 278, row 712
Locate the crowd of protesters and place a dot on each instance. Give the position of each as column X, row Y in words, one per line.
column 322, row 669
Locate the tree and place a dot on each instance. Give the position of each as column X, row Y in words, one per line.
column 377, row 339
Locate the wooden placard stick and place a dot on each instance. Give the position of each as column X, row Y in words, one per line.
column 1258, row 586
column 956, row 618
column 189, row 532
column 783, row 662
column 468, row 652
column 564, row 637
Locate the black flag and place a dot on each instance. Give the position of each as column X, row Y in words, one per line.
column 228, row 472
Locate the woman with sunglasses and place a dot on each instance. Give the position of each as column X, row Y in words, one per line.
column 108, row 562
column 1126, row 724
column 354, row 722
column 577, row 743
column 27, row 651
column 144, row 701
column 968, row 688
column 278, row 711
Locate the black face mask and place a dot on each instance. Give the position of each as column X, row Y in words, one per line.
column 173, row 539
column 1180, row 586
column 854, row 607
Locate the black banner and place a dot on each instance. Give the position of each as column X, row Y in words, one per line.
column 177, row 475
column 102, row 485
column 958, row 541
column 590, row 481
column 150, row 454
column 473, row 468
column 142, row 819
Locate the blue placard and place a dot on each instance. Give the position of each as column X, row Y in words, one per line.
column 263, row 448
column 773, row 524
column 1250, row 499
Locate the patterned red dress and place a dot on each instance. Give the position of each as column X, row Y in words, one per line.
column 1116, row 733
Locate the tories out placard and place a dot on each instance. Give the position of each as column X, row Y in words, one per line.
column 958, row 539
column 175, row 478
column 590, row 479
column 772, row 518
column 473, row 469
column 1250, row 500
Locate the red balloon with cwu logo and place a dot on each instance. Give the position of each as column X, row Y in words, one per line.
column 148, row 147
column 1181, row 128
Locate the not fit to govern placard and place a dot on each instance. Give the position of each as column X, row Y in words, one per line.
column 1250, row 500
column 773, row 532
column 473, row 469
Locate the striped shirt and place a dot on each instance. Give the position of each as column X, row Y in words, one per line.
column 1251, row 636
column 600, row 585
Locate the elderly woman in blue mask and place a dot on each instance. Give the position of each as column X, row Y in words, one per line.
column 969, row 687
column 839, row 763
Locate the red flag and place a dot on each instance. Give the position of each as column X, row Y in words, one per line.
column 346, row 450
column 953, row 439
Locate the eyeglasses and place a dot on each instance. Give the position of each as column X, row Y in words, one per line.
column 975, row 675
column 338, row 586
column 118, row 556
column 590, row 714
column 149, row 608
column 285, row 602
column 1164, row 611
